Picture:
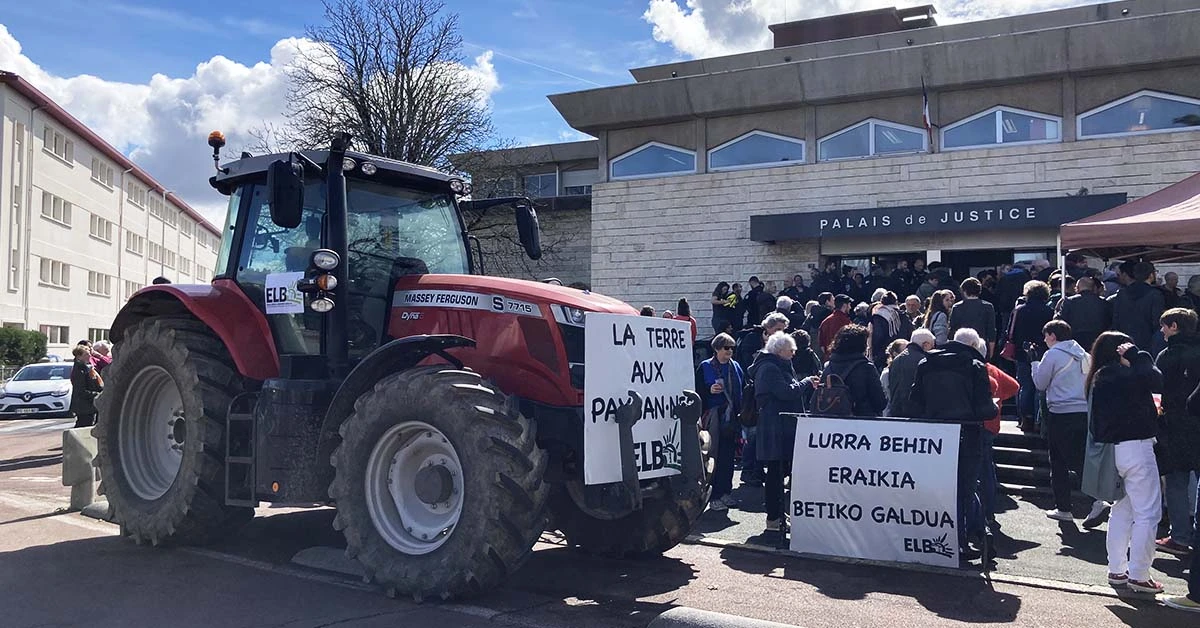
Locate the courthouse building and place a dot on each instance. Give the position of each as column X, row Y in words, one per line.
column 82, row 226
column 770, row 162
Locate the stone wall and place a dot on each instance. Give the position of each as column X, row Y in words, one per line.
column 566, row 246
column 655, row 240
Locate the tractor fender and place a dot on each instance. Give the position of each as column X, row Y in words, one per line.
column 223, row 307
column 397, row 355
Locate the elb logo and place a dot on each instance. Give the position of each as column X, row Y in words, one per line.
column 929, row 546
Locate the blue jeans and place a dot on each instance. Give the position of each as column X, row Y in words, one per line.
column 970, row 457
column 1180, row 491
column 987, row 479
column 1027, row 396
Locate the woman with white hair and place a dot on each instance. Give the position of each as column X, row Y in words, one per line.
column 776, row 392
column 101, row 354
column 1003, row 387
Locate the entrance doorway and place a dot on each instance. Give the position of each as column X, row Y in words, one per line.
column 959, row 264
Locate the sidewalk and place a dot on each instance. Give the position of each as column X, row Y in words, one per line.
column 1028, row 544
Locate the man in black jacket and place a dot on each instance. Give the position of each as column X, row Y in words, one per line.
column 903, row 372
column 952, row 384
column 974, row 313
column 1086, row 312
column 1138, row 306
column 1179, row 449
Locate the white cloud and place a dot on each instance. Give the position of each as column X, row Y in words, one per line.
column 709, row 28
column 163, row 125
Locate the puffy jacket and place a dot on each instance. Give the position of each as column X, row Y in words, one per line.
column 901, row 375
column 777, row 391
column 1062, row 374
column 860, row 376
column 1136, row 310
column 1179, row 364
column 1122, row 402
column 952, row 384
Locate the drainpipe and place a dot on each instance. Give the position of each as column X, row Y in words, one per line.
column 28, row 255
column 121, row 237
column 162, row 218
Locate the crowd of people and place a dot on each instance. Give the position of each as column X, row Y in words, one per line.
column 1086, row 353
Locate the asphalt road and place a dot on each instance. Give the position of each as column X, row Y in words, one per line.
column 61, row 569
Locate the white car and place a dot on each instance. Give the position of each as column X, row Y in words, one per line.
column 38, row 390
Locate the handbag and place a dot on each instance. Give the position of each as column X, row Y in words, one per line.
column 1101, row 479
column 1009, row 351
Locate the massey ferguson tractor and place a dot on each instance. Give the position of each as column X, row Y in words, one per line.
column 347, row 354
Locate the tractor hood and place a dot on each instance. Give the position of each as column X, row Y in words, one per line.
column 532, row 291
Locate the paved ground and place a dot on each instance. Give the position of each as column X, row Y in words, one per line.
column 60, row 569
column 1028, row 544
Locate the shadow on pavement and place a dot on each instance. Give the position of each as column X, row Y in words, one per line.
column 44, row 515
column 30, row 462
column 968, row 600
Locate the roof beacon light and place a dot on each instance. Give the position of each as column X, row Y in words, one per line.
column 216, row 139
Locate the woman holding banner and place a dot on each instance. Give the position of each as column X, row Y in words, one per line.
column 776, row 391
column 723, row 379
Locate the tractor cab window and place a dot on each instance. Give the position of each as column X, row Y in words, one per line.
column 393, row 232
column 269, row 249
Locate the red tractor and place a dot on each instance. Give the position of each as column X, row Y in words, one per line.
column 345, row 354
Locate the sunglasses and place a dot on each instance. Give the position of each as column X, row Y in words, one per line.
column 724, row 348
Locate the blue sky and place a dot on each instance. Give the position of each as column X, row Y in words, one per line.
column 540, row 47
column 154, row 77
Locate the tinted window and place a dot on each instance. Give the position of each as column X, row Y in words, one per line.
column 978, row 132
column 892, row 140
column 653, row 160
column 757, row 149
column 1141, row 114
column 853, row 143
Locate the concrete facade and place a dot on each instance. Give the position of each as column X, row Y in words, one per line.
column 83, row 227
column 1058, row 65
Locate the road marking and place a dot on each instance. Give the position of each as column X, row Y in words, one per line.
column 36, row 425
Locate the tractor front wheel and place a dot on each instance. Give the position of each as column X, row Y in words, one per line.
column 438, row 484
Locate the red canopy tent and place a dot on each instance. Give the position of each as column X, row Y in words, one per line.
column 1161, row 227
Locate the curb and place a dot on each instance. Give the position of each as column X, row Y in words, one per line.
column 1028, row 581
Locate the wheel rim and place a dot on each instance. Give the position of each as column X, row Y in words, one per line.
column 414, row 487
column 152, row 432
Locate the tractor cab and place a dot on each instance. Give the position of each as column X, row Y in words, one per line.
column 317, row 237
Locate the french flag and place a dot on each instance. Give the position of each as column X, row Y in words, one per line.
column 925, row 113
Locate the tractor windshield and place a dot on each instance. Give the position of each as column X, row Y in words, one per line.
column 392, row 232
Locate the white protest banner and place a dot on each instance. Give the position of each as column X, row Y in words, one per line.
column 881, row 490
column 652, row 356
column 282, row 297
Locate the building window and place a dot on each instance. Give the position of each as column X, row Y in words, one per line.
column 1142, row 112
column 57, row 144
column 56, row 334
column 653, row 160
column 102, row 173
column 756, row 149
column 577, row 190
column 186, row 227
column 134, row 243
column 871, row 138
column 95, row 334
column 55, row 273
column 14, row 270
column 101, row 229
column 131, row 288
column 99, row 284
column 1002, row 125
column 541, row 185
column 56, row 209
column 136, row 194
column 156, row 252
column 185, row 265
column 202, row 273
column 171, row 216
column 169, row 256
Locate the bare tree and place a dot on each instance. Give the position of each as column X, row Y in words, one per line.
column 391, row 73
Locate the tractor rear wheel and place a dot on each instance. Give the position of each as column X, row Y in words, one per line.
column 664, row 521
column 438, row 484
column 161, row 432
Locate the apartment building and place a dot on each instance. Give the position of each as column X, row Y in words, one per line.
column 83, row 228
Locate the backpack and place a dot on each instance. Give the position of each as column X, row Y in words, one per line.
column 832, row 397
column 749, row 412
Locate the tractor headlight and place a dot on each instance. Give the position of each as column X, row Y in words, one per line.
column 325, row 282
column 321, row 305
column 348, row 164
column 574, row 315
column 369, row 168
column 325, row 259
column 458, row 186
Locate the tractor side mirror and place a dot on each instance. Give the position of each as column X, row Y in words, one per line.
column 285, row 185
column 529, row 230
